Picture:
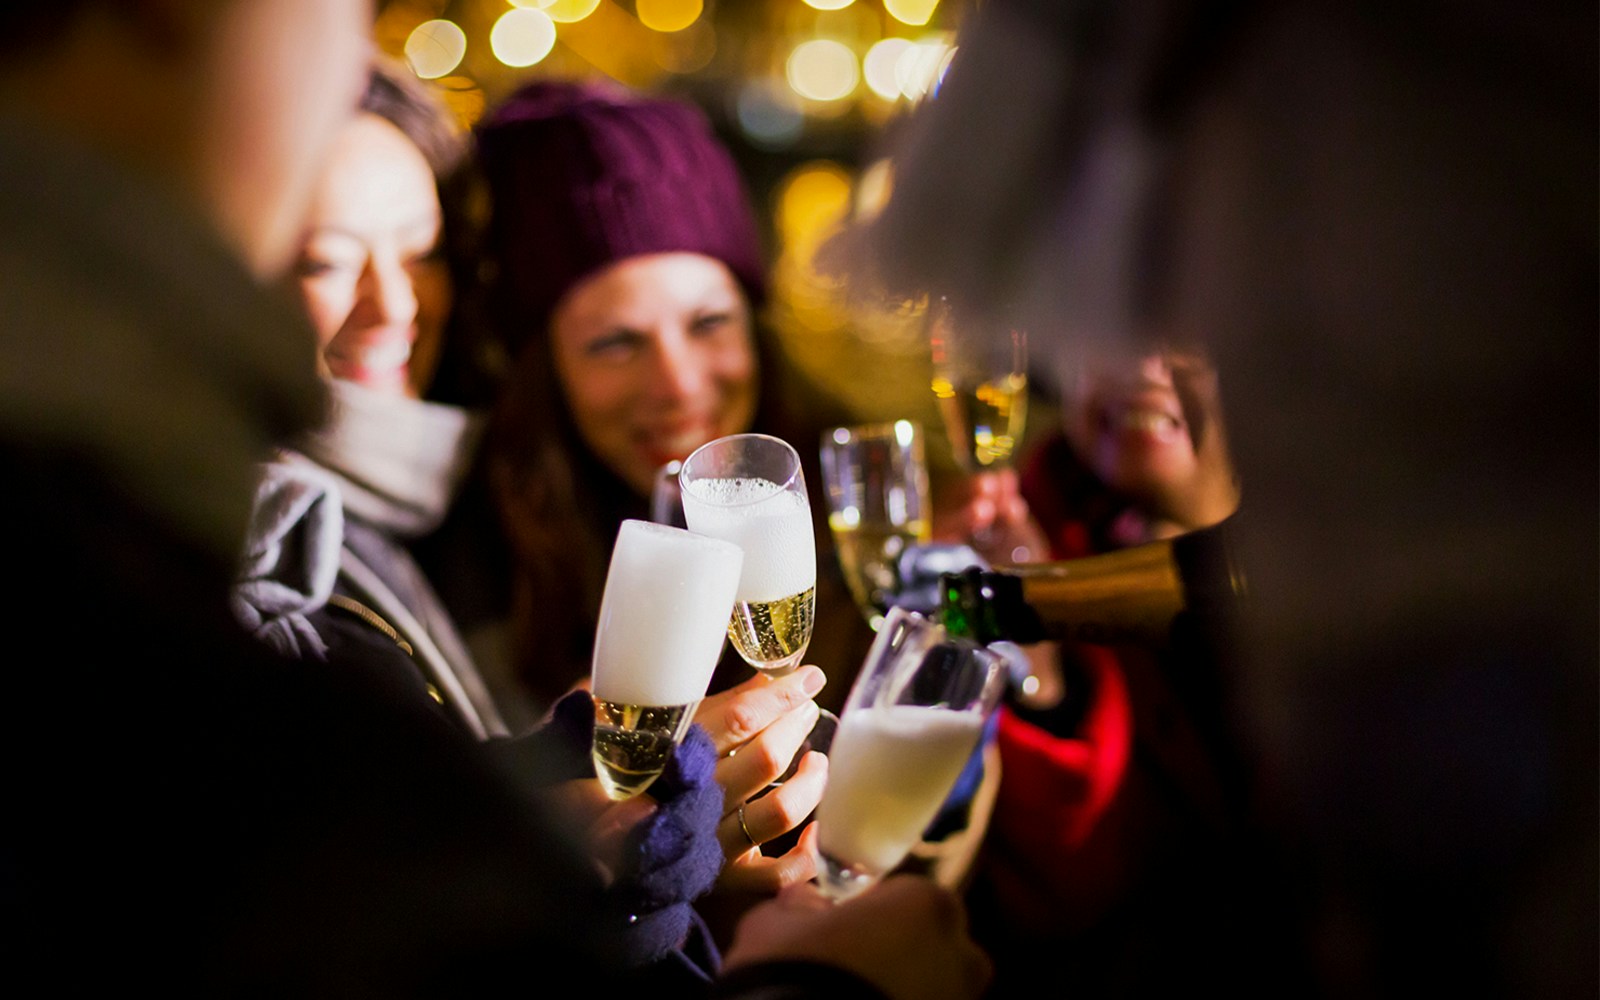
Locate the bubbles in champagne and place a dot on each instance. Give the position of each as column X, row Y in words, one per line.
column 772, row 525
column 668, row 596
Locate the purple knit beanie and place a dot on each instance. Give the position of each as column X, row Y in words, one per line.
column 584, row 174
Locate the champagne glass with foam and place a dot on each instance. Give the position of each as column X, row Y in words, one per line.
column 914, row 717
column 662, row 620
column 748, row 489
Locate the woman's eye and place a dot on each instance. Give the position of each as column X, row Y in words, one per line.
column 307, row 267
column 709, row 323
column 326, row 267
column 429, row 255
column 615, row 346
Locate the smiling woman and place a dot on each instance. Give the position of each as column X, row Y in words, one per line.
column 332, row 517
column 628, row 273
column 374, row 283
column 1150, row 427
column 655, row 357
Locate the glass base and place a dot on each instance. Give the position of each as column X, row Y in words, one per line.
column 838, row 880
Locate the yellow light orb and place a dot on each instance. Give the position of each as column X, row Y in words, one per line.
column 811, row 200
column 910, row 11
column 568, row 11
column 919, row 65
column 829, row 4
column 873, row 189
column 522, row 37
column 879, row 67
column 823, row 70
column 434, row 48
column 668, row 15
column 686, row 51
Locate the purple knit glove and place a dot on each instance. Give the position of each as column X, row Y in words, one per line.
column 674, row 856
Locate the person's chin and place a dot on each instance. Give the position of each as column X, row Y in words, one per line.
column 393, row 382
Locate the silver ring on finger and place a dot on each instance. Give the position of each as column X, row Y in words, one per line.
column 745, row 829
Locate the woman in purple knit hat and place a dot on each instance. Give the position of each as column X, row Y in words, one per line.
column 624, row 271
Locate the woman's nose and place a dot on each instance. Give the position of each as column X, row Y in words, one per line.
column 681, row 368
column 389, row 294
column 1155, row 368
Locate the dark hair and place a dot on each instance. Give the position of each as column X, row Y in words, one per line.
column 402, row 100
column 394, row 93
column 560, row 507
column 556, row 503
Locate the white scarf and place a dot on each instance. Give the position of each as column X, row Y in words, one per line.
column 399, row 461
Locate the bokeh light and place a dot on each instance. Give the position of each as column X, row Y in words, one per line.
column 915, row 12
column 435, row 48
column 568, row 11
column 522, row 37
column 668, row 15
column 823, row 70
column 873, row 188
column 813, row 198
column 768, row 115
column 829, row 4
column 918, row 69
column 879, row 67
column 686, row 51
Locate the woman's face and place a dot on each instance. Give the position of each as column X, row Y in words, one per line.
column 655, row 357
column 1150, row 427
column 370, row 272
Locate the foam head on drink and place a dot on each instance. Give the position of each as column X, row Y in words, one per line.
column 772, row 620
column 890, row 769
column 668, row 596
column 772, row 525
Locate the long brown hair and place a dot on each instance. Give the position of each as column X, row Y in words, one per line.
column 559, row 506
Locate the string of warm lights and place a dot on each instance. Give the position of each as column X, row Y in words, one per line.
column 845, row 52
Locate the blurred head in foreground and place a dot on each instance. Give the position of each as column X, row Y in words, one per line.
column 1389, row 252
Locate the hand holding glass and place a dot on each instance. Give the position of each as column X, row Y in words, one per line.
column 662, row 619
column 914, row 717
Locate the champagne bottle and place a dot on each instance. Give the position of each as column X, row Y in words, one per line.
column 1149, row 594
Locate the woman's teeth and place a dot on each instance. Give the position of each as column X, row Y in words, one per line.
column 680, row 442
column 388, row 354
column 1149, row 421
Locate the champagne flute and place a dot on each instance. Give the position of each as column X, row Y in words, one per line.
column 748, row 489
column 914, row 717
column 662, row 619
column 980, row 381
column 877, row 488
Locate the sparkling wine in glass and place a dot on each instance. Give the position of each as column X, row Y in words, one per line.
column 980, row 383
column 748, row 489
column 914, row 717
column 877, row 487
column 662, row 620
